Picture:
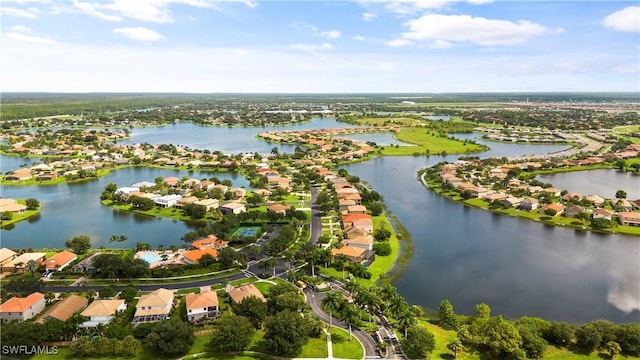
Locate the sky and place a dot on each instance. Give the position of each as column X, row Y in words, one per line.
column 361, row 46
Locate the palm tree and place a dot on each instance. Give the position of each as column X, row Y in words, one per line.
column 398, row 305
column 417, row 311
column 406, row 319
column 353, row 287
column 49, row 296
column 32, row 266
column 264, row 265
column 273, row 263
column 333, row 302
column 351, row 315
column 91, row 294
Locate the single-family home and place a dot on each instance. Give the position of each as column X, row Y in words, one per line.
column 558, row 208
column 343, row 204
column 278, row 208
column 208, row 203
column 211, row 241
column 622, row 205
column 528, row 204
column 355, row 254
column 239, row 193
column 571, row 196
column 262, row 192
column 629, row 218
column 601, row 214
column 356, row 209
column 237, row 294
column 12, row 206
column 101, row 312
column 511, row 201
column 167, row 200
column 185, row 201
column 22, row 309
column 364, row 242
column 353, row 231
column 233, row 208
column 573, row 210
column 202, row 305
column 19, row 263
column 20, row 174
column 6, row 255
column 154, row 306
column 64, row 309
column 171, row 181
column 60, row 260
column 86, row 265
column 597, row 200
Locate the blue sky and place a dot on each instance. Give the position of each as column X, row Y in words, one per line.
column 319, row 46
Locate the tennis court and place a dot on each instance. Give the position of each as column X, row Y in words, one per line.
column 247, row 231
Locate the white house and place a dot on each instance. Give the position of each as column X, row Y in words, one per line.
column 154, row 306
column 233, row 208
column 101, row 312
column 167, row 200
column 202, row 305
column 22, row 309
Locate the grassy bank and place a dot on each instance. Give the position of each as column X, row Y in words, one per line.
column 428, row 142
column 15, row 218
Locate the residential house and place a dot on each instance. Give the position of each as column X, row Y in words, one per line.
column 233, row 208
column 356, row 209
column 552, row 191
column 60, row 260
column 528, row 204
column 208, row 203
column 512, row 201
column 354, row 197
column 263, row 192
column 558, row 208
column 22, row 309
column 601, row 214
column 364, row 242
column 571, row 196
column 20, row 174
column 172, row 181
column 6, row 255
column 238, row 193
column 629, row 218
column 154, row 306
column 622, row 205
column 86, row 265
column 202, row 305
column 19, row 264
column 167, row 200
column 598, row 201
column 490, row 197
column 237, row 294
column 278, row 208
column 355, row 254
column 12, row 206
column 573, row 210
column 64, row 309
column 185, row 201
column 343, row 204
column 101, row 311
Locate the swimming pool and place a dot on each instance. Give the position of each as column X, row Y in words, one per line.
column 150, row 257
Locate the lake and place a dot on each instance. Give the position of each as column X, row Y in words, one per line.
column 467, row 255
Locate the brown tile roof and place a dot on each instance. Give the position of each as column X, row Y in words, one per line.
column 16, row 304
column 241, row 292
column 195, row 255
column 202, row 300
column 62, row 310
column 349, row 251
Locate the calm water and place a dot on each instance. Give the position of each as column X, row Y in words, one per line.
column 603, row 182
column 517, row 267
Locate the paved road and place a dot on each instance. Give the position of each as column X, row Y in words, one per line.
column 369, row 344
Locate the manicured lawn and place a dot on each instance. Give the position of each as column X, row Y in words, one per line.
column 382, row 264
column 427, row 142
column 442, row 339
column 315, row 348
column 263, row 286
column 19, row 217
column 342, row 347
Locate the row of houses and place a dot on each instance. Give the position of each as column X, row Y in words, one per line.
column 152, row 307
column 12, row 262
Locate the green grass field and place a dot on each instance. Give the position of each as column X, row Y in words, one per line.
column 342, row 347
column 428, row 142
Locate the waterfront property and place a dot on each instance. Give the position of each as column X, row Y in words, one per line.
column 22, row 309
column 153, row 307
column 19, row 264
column 6, row 255
column 101, row 311
column 11, row 206
column 60, row 260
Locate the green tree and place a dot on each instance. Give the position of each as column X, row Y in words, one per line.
column 233, row 333
column 285, row 333
column 418, row 343
column 560, row 334
column 447, row 316
column 32, row 266
column 206, row 260
column 253, row 309
column 171, row 338
column 128, row 294
column 501, row 337
column 107, row 292
column 455, row 346
column 49, row 296
column 588, row 337
column 118, row 238
column 24, row 285
column 613, row 348
column 621, row 194
column 333, row 302
column 350, row 314
column 79, row 244
column 32, row 203
column 483, row 311
column 406, row 319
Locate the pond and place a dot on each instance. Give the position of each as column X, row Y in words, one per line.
column 603, row 182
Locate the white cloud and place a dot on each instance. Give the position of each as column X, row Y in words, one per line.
column 359, row 38
column 24, row 35
column 305, row 67
column 93, row 10
column 628, row 68
column 12, row 11
column 139, row 34
column 399, row 42
column 440, row 44
column 386, row 66
column 478, row 30
column 627, row 19
column 301, row 25
column 412, row 6
column 311, row 47
column 331, row 34
column 369, row 16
